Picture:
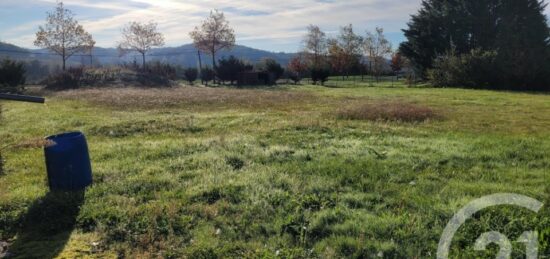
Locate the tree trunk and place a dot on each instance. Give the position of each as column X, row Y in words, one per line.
column 214, row 65
column 64, row 57
column 200, row 66
column 200, row 60
column 143, row 56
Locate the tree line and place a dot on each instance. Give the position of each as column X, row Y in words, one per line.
column 494, row 44
column 321, row 57
column 499, row 44
column 346, row 54
column 64, row 36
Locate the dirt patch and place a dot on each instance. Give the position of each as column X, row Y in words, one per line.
column 185, row 96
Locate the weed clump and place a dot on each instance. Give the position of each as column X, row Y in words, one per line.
column 232, row 194
column 1, row 164
column 235, row 163
column 388, row 111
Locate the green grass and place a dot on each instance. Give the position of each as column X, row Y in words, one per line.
column 261, row 173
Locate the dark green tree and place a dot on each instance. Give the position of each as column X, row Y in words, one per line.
column 271, row 66
column 320, row 74
column 523, row 45
column 517, row 30
column 229, row 69
column 207, row 74
column 12, row 75
column 191, row 75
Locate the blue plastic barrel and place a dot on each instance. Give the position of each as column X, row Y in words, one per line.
column 68, row 162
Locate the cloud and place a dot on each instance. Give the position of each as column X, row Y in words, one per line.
column 278, row 26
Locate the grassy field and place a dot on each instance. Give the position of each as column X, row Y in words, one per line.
column 296, row 172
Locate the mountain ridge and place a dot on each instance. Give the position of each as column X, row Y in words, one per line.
column 185, row 55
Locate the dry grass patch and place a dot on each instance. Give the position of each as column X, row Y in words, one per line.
column 147, row 98
column 388, row 111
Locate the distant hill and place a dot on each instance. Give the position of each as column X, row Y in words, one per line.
column 10, row 50
column 186, row 55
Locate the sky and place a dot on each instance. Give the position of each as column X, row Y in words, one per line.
column 272, row 25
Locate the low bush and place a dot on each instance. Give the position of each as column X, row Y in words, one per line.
column 160, row 69
column 207, row 74
column 388, row 111
column 320, row 75
column 476, row 69
column 295, row 77
column 229, row 69
column 272, row 67
column 191, row 75
column 69, row 79
column 12, row 75
column 153, row 80
column 105, row 76
column 157, row 74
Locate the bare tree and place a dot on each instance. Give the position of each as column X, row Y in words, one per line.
column 352, row 46
column 63, row 35
column 315, row 45
column 377, row 48
column 337, row 57
column 213, row 35
column 297, row 67
column 397, row 63
column 345, row 51
column 90, row 51
column 141, row 38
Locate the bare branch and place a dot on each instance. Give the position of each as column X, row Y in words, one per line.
column 63, row 35
column 214, row 34
column 141, row 38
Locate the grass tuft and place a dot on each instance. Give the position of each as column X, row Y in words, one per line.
column 235, row 163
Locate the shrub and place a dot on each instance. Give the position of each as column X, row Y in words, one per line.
column 157, row 74
column 107, row 75
column 153, row 80
column 191, row 75
column 12, row 74
column 271, row 66
column 229, row 69
column 388, row 111
column 476, row 70
column 235, row 163
column 70, row 79
column 320, row 75
column 160, row 69
column 207, row 75
column 37, row 71
column 295, row 77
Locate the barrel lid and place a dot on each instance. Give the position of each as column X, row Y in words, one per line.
column 66, row 136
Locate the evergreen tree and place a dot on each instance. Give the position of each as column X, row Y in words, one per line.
column 523, row 44
column 517, row 30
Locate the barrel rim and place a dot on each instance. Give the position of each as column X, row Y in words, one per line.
column 66, row 135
